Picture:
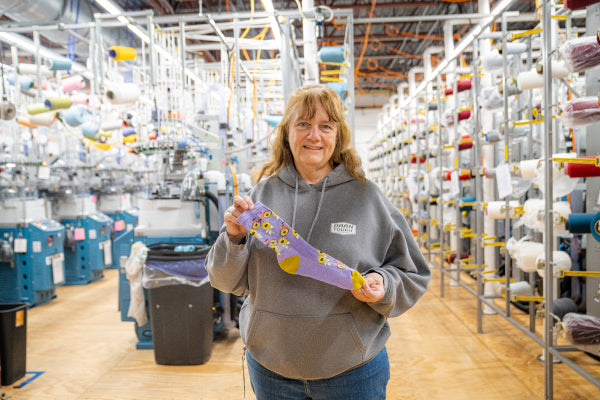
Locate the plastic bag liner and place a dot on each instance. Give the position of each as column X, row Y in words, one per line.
column 175, row 264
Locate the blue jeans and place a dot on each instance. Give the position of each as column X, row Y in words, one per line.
column 367, row 382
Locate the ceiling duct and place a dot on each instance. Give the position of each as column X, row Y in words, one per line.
column 31, row 12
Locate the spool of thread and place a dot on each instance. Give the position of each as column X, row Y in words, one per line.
column 521, row 288
column 527, row 254
column 563, row 306
column 492, row 61
column 493, row 137
column 128, row 131
column 126, row 93
column 80, row 98
column 580, row 222
column 121, row 53
column 461, row 85
column 7, row 110
column 581, row 53
column 24, row 121
column 468, row 207
column 129, row 139
column 529, row 168
column 112, row 125
column 585, row 223
column 575, row 170
column 530, row 80
column 578, row 4
column 452, row 256
column 464, row 114
column 513, row 48
column 90, row 130
column 76, row 115
column 56, row 64
column 465, row 145
column 341, row 88
column 495, row 209
column 559, row 69
column 25, row 82
column 561, row 260
column 75, row 82
column 333, row 54
column 36, row 108
column 580, row 112
column 30, row 69
column 43, row 119
column 58, row 103
column 433, row 106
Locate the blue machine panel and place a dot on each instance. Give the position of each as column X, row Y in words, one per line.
column 122, row 234
column 38, row 265
column 89, row 248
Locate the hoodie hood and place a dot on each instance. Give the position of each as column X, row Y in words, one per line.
column 339, row 175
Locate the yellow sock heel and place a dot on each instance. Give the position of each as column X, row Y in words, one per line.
column 290, row 264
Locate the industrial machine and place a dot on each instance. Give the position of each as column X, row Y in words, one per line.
column 31, row 252
column 88, row 246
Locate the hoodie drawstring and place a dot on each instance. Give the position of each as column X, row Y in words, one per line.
column 318, row 207
column 295, row 203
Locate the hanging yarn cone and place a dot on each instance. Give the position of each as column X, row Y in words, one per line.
column 581, row 53
column 461, row 85
column 36, row 108
column 24, row 121
column 72, row 83
column 580, row 112
column 25, row 82
column 75, row 115
column 332, row 54
column 31, row 69
column 90, row 130
column 7, row 110
column 56, row 64
column 123, row 94
column 121, row 53
column 57, row 103
column 43, row 119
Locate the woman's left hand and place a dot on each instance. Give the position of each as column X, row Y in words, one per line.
column 372, row 289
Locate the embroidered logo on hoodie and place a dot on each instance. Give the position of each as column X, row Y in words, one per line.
column 343, row 228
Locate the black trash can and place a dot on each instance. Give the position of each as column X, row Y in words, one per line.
column 13, row 342
column 181, row 314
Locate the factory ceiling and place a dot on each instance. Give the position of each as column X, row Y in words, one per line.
column 384, row 50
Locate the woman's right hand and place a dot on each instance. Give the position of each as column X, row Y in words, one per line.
column 235, row 230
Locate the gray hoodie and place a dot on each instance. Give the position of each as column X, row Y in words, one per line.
column 300, row 327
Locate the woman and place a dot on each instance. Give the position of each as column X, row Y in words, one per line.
column 305, row 338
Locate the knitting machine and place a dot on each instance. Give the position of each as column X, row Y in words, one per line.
column 88, row 248
column 31, row 252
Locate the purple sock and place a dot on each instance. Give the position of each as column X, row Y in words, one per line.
column 294, row 254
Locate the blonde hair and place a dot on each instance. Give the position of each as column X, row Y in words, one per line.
column 304, row 101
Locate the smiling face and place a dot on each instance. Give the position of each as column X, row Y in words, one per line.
column 312, row 140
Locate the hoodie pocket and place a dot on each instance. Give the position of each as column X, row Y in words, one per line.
column 305, row 347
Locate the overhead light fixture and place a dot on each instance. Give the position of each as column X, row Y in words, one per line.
column 268, row 5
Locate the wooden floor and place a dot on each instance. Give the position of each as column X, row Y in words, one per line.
column 87, row 352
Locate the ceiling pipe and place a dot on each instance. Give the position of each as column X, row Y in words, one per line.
column 59, row 11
